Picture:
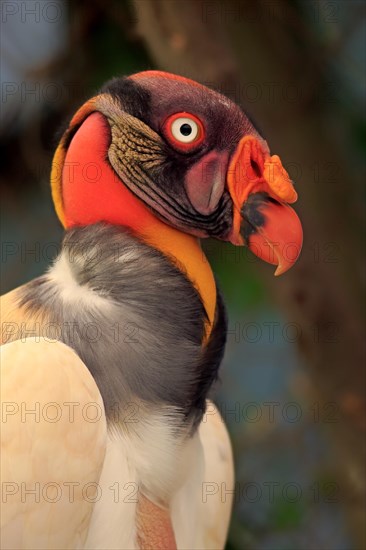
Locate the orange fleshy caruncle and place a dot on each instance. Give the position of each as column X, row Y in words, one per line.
column 253, row 170
column 279, row 180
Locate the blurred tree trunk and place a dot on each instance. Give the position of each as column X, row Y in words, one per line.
column 264, row 55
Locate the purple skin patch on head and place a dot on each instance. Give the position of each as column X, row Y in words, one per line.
column 205, row 181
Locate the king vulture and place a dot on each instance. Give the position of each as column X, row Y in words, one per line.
column 109, row 439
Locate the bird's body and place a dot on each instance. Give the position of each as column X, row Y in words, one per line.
column 82, row 488
column 118, row 315
column 128, row 323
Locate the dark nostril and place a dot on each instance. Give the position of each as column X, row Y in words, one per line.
column 255, row 167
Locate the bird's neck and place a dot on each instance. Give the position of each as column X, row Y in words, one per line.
column 92, row 192
column 187, row 254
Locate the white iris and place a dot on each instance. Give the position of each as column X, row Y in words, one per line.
column 185, row 129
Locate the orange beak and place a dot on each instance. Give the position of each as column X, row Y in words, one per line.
column 260, row 189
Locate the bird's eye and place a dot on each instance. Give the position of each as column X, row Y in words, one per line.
column 184, row 130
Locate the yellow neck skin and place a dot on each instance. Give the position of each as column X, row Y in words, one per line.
column 191, row 260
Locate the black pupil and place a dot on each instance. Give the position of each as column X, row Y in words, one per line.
column 186, row 129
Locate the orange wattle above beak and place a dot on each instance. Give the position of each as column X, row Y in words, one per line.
column 261, row 189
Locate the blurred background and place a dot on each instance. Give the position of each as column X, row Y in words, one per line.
column 293, row 380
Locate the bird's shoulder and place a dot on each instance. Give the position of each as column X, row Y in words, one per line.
column 53, row 442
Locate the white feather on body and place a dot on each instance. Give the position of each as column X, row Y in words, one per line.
column 152, row 460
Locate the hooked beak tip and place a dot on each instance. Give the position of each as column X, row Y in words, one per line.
column 272, row 231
